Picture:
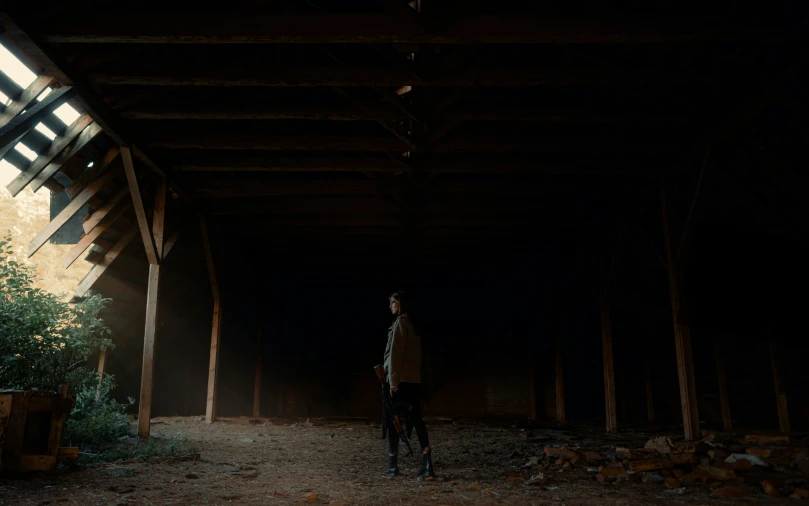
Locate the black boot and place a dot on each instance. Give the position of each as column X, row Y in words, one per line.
column 426, row 472
column 393, row 467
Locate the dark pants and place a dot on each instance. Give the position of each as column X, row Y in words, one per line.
column 407, row 404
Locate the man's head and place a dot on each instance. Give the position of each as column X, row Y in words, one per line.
column 395, row 303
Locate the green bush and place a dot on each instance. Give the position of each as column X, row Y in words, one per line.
column 44, row 341
column 97, row 420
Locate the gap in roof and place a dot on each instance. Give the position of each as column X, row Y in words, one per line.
column 15, row 69
column 47, row 132
column 26, row 151
column 4, row 98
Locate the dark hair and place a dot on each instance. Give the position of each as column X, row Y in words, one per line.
column 399, row 296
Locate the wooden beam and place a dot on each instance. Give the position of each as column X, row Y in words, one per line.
column 59, row 221
column 111, row 215
column 101, row 212
column 264, row 112
column 149, row 337
column 102, row 364
column 780, row 392
column 140, row 211
column 469, row 143
column 560, row 383
column 532, row 395
column 216, row 326
column 650, row 403
column 26, row 99
column 682, row 336
column 213, row 363
column 85, row 137
column 44, row 160
column 387, row 28
column 89, row 175
column 609, row 370
column 682, row 246
column 22, row 123
column 721, row 377
column 159, row 217
column 257, row 378
column 170, row 242
column 96, row 272
column 378, row 77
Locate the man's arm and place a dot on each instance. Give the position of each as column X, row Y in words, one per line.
column 396, row 354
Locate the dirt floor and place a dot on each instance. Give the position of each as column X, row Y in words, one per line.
column 341, row 462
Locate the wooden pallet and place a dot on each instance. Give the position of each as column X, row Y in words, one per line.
column 31, row 424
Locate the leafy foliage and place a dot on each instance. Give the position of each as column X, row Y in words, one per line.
column 132, row 448
column 45, row 341
column 97, row 419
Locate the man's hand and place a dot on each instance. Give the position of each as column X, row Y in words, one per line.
column 394, row 388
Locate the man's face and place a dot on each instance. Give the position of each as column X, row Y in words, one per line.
column 394, row 306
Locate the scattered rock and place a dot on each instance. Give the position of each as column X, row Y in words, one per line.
column 650, row 465
column 660, row 444
column 563, row 451
column 678, row 473
column 533, row 461
column 684, row 458
column 536, row 479
column 721, row 474
column 592, row 455
column 696, row 476
column 652, row 478
column 311, row 496
column 192, row 476
column 560, row 461
column 765, row 440
column 800, row 493
column 339, row 502
column 475, row 486
column 753, row 459
column 770, row 488
column 671, row 483
column 730, row 492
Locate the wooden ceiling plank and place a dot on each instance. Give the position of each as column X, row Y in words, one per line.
column 90, row 174
column 102, row 211
column 59, row 221
column 385, row 28
column 44, row 160
column 87, row 135
column 380, row 78
column 22, row 123
column 26, row 99
column 109, row 218
column 87, row 283
column 140, row 211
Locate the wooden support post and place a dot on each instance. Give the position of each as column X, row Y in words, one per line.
column 780, row 393
column 216, row 326
column 213, row 364
column 682, row 336
column 152, row 297
column 609, row 370
column 147, row 371
column 650, row 404
column 560, row 385
column 532, row 395
column 102, row 364
column 723, row 386
column 257, row 379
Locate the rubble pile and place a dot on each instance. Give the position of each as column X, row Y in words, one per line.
column 723, row 464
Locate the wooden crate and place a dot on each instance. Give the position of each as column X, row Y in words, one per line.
column 31, row 425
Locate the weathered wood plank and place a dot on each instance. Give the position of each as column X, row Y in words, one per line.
column 388, row 28
column 682, row 335
column 105, row 209
column 68, row 212
column 257, row 378
column 609, row 370
column 213, row 363
column 37, row 462
column 110, row 257
column 560, row 383
column 15, row 431
column 88, row 176
column 89, row 239
column 26, row 98
column 780, row 393
column 149, row 337
column 56, row 165
column 140, row 211
column 21, row 124
column 721, row 378
column 159, row 216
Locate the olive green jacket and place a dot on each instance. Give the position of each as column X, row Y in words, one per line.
column 403, row 353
